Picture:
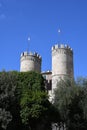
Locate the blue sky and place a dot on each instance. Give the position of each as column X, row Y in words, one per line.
column 41, row 19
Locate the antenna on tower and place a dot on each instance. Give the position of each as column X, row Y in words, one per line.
column 28, row 44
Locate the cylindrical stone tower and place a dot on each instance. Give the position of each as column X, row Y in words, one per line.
column 30, row 62
column 62, row 63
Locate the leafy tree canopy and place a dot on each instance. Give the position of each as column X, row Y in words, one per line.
column 69, row 99
column 24, row 102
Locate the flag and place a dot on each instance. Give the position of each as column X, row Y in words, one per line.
column 59, row 31
column 28, row 38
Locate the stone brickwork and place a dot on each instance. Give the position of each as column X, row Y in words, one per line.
column 62, row 63
column 30, row 62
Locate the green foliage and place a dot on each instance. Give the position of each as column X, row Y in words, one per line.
column 69, row 99
column 31, row 80
column 7, row 97
column 63, row 96
column 24, row 103
column 35, row 107
column 32, row 105
column 22, row 98
column 83, row 83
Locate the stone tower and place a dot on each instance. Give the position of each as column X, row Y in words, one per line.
column 62, row 63
column 30, row 62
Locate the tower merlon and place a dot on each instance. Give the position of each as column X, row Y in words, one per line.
column 24, row 53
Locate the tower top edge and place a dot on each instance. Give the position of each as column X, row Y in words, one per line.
column 61, row 46
column 35, row 54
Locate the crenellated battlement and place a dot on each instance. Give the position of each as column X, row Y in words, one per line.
column 36, row 55
column 61, row 46
column 30, row 62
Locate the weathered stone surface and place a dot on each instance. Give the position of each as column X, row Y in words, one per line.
column 30, row 62
column 62, row 64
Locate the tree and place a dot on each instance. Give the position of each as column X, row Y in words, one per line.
column 24, row 102
column 9, row 101
column 36, row 110
column 68, row 98
column 7, row 97
column 82, row 81
column 31, row 80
